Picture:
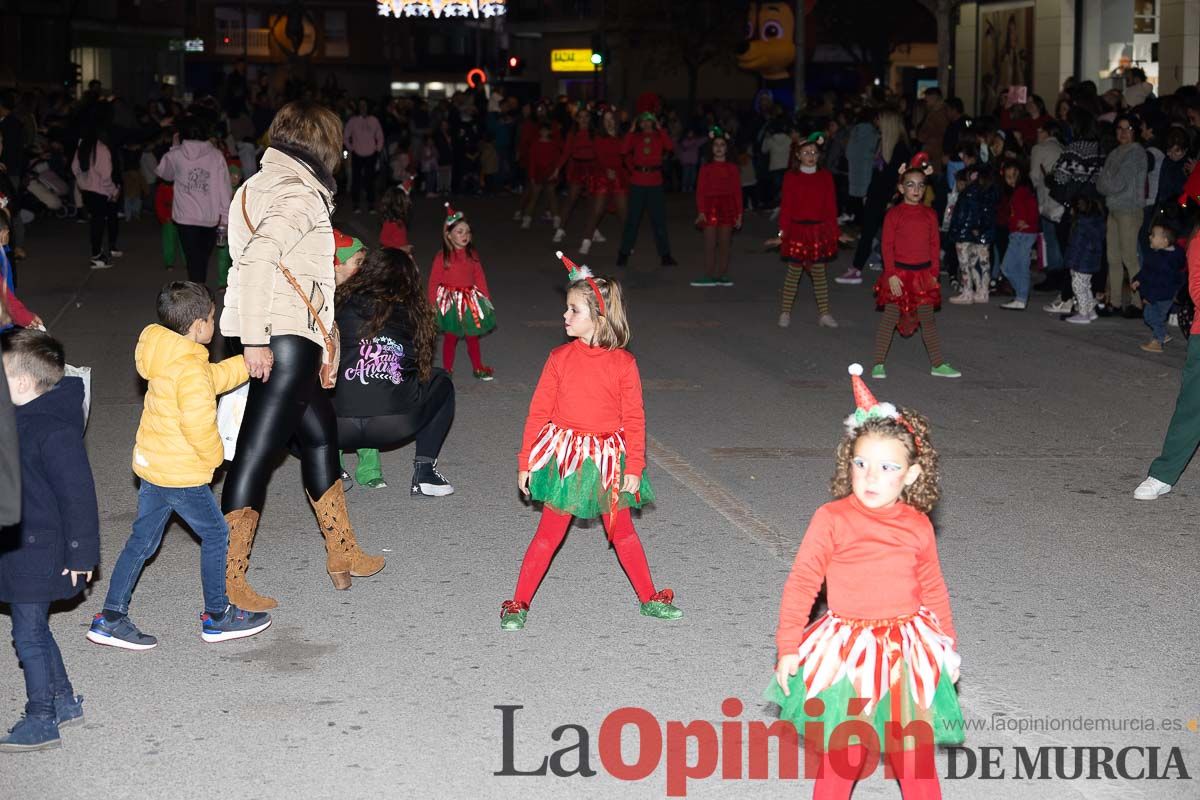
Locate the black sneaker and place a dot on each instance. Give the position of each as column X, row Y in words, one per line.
column 426, row 480
column 233, row 624
column 122, row 633
column 668, row 261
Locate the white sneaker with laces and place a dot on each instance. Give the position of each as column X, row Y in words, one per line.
column 559, row 235
column 598, row 237
column 1081, row 319
column 827, row 321
column 1013, row 305
column 1151, row 489
column 1059, row 306
column 585, row 247
column 526, row 222
column 785, row 319
column 99, row 262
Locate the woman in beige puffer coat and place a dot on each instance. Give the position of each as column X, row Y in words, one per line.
column 280, row 219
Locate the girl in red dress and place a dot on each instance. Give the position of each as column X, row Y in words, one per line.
column 719, row 208
column 583, row 453
column 459, row 293
column 579, row 157
column 395, row 206
column 609, row 182
column 908, row 290
column 544, row 154
column 808, row 228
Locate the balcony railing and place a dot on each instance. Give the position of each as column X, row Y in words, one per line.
column 238, row 41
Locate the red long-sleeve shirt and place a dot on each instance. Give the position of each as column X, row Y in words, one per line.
column 589, row 390
column 647, row 151
column 808, row 197
column 580, row 146
column 462, row 271
column 526, row 136
column 718, row 179
column 543, row 156
column 876, row 564
column 610, row 153
column 1023, row 207
column 910, row 236
column 393, row 234
column 1193, row 270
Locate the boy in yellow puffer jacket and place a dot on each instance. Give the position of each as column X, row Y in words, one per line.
column 177, row 449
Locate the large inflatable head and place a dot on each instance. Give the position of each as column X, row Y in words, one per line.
column 769, row 49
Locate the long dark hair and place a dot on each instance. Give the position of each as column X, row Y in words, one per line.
column 95, row 129
column 388, row 279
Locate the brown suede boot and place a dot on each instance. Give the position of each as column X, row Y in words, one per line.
column 242, row 525
column 344, row 558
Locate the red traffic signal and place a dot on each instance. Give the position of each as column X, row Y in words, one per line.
column 515, row 65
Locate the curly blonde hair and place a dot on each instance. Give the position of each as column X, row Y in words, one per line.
column 924, row 492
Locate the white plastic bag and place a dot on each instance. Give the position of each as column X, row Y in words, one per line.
column 230, row 410
column 85, row 375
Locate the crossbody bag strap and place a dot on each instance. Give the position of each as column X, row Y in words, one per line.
column 287, row 274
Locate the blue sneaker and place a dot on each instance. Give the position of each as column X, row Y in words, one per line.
column 122, row 633
column 68, row 710
column 31, row 733
column 233, row 624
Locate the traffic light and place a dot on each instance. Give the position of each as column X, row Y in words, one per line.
column 597, row 50
column 516, row 65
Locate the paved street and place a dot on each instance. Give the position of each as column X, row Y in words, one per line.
column 1071, row 600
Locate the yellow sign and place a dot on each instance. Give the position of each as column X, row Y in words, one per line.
column 567, row 60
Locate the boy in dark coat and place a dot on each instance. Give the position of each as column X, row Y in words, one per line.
column 50, row 554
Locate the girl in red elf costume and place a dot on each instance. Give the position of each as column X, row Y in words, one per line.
column 395, row 208
column 908, row 290
column 808, row 228
column 579, row 157
column 884, row 653
column 609, row 182
column 460, row 296
column 544, row 154
column 718, row 207
column 583, row 453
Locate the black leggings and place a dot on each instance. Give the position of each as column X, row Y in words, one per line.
column 102, row 214
column 363, row 178
column 290, row 407
column 198, row 242
column 428, row 422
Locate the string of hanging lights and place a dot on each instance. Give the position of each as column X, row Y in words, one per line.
column 441, row 8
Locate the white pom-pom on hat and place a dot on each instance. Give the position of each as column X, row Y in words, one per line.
column 558, row 253
column 856, row 369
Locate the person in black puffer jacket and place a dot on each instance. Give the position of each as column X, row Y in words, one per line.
column 972, row 229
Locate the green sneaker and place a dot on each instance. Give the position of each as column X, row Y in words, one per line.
column 485, row 374
column 706, row 282
column 376, row 483
column 944, row 370
column 878, row 372
column 724, row 281
column 661, row 606
column 512, row 615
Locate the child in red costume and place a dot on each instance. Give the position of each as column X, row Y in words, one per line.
column 609, row 181
column 395, row 206
column 808, row 228
column 544, row 154
column 583, row 453
column 908, row 290
column 460, row 296
column 888, row 638
column 579, row 157
column 718, row 208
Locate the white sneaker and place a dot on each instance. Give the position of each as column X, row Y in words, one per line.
column 1059, row 306
column 100, row 263
column 516, row 214
column 981, row 297
column 844, row 218
column 827, row 321
column 585, row 247
column 526, row 222
column 785, row 319
column 598, row 237
column 1013, row 305
column 851, row 276
column 559, row 235
column 116, row 253
column 963, row 298
column 1081, row 319
column 1151, row 489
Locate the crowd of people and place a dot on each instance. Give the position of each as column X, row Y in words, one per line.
column 339, row 355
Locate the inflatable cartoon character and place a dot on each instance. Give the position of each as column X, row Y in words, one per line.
column 770, row 47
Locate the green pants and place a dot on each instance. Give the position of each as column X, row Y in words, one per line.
column 370, row 467
column 224, row 262
column 641, row 199
column 171, row 247
column 1183, row 434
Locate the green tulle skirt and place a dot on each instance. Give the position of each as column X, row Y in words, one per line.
column 458, row 319
column 582, row 493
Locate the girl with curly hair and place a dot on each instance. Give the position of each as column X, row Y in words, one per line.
column 884, row 655
column 389, row 391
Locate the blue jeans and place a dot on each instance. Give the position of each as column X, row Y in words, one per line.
column 45, row 674
column 1054, row 258
column 1015, row 266
column 199, row 509
column 1155, row 313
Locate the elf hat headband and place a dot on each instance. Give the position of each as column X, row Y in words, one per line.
column 406, row 185
column 717, row 132
column 867, row 407
column 920, row 162
column 577, row 273
column 816, row 137
column 344, row 247
column 452, row 216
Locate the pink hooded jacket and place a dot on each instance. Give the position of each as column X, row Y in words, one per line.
column 202, row 187
column 98, row 176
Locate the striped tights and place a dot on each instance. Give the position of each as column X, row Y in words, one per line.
column 929, row 333
column 792, row 282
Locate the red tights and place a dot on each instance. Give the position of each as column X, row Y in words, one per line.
column 451, row 344
column 832, row 786
column 550, row 532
